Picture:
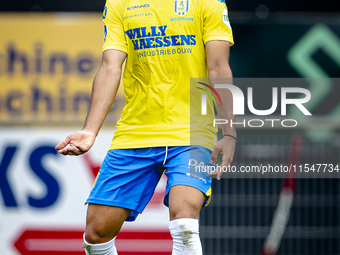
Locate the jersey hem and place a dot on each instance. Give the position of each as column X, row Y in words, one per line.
column 152, row 145
column 114, row 47
column 219, row 38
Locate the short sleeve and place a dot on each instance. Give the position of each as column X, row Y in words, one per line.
column 216, row 24
column 114, row 36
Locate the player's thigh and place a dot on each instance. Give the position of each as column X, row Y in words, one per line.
column 104, row 222
column 185, row 202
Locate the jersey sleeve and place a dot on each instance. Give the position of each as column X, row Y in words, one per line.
column 216, row 24
column 114, row 35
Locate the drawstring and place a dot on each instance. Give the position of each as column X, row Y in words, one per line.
column 166, row 154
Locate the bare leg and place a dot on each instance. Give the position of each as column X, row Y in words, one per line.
column 185, row 202
column 104, row 222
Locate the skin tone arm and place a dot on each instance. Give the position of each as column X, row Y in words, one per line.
column 218, row 64
column 104, row 90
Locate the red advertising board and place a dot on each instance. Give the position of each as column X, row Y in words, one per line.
column 70, row 242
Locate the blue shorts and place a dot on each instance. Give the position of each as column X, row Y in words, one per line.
column 128, row 177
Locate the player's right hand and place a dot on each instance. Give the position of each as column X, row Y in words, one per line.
column 76, row 144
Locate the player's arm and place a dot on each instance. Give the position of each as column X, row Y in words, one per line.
column 218, row 65
column 104, row 90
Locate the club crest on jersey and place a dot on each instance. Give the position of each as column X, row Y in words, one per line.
column 182, row 7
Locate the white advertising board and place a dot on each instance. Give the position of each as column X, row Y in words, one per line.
column 43, row 193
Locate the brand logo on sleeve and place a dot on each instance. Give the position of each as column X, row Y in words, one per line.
column 225, row 18
column 182, row 7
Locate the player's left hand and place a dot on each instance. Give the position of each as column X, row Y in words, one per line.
column 226, row 147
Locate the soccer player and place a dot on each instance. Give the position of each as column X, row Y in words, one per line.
column 164, row 43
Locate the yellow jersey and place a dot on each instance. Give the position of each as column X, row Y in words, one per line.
column 165, row 45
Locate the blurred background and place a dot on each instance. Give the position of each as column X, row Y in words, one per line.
column 49, row 54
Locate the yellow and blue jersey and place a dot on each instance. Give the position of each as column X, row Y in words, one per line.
column 165, row 45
